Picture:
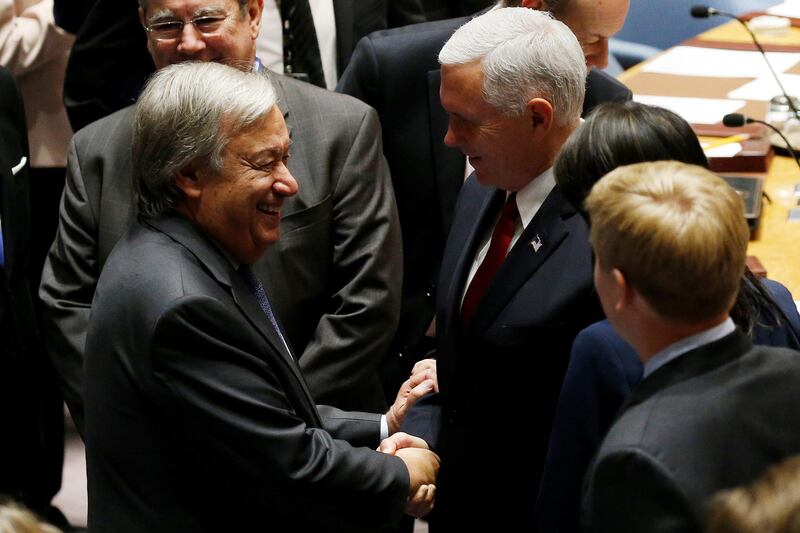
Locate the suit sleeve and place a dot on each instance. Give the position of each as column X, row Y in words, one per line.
column 630, row 491
column 360, row 78
column 68, row 283
column 228, row 395
column 364, row 306
column 31, row 38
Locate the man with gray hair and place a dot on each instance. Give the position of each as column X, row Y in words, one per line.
column 198, row 417
column 516, row 280
column 335, row 279
column 396, row 71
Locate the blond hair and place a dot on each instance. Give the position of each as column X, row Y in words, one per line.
column 771, row 504
column 677, row 233
column 14, row 518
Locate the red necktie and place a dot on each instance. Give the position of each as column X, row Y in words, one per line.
column 501, row 239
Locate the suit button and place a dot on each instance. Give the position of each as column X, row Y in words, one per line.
column 430, row 292
column 452, row 417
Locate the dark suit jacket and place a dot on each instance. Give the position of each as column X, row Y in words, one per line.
column 397, row 72
column 31, row 450
column 603, row 370
column 333, row 278
column 109, row 61
column 198, row 419
column 712, row 419
column 499, row 380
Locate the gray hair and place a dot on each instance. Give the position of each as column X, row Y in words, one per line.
column 187, row 113
column 524, row 54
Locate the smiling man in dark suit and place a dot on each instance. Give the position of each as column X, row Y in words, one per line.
column 334, row 277
column 197, row 414
column 516, row 280
column 712, row 411
column 396, row 72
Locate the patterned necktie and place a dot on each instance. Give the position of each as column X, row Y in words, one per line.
column 257, row 290
column 301, row 57
column 501, row 239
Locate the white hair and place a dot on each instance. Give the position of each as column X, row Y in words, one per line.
column 188, row 112
column 524, row 54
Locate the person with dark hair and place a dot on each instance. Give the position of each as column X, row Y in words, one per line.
column 603, row 368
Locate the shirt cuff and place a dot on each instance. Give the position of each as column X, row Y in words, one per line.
column 384, row 428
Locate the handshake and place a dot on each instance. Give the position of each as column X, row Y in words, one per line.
column 422, row 464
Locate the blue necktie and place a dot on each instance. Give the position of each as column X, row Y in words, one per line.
column 2, row 252
column 257, row 290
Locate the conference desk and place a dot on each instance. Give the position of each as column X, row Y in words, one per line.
column 776, row 244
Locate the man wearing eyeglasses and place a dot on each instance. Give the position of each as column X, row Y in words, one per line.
column 335, row 277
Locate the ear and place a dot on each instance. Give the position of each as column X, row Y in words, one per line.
column 254, row 10
column 624, row 293
column 540, row 112
column 189, row 181
column 539, row 5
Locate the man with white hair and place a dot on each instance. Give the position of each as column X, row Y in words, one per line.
column 198, row 417
column 516, row 280
column 396, row 71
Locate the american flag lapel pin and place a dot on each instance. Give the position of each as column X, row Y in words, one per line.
column 536, row 243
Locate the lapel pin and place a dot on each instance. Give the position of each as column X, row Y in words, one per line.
column 536, row 244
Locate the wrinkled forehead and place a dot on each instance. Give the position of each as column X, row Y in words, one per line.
column 188, row 7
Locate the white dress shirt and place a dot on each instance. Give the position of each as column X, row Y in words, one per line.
column 269, row 45
column 529, row 199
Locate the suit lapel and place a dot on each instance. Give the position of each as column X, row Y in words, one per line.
column 343, row 13
column 537, row 242
column 185, row 233
column 487, row 208
column 448, row 162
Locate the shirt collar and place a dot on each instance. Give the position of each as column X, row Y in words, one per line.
column 675, row 350
column 531, row 197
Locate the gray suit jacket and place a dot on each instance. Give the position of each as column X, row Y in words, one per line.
column 334, row 277
column 220, row 432
column 714, row 418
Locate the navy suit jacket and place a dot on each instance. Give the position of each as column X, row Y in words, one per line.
column 396, row 71
column 602, row 372
column 499, row 380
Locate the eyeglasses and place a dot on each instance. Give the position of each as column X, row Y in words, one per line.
column 172, row 29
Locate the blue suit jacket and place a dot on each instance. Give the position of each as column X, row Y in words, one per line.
column 499, row 380
column 602, row 372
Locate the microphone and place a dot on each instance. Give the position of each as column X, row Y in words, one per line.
column 702, row 12
column 737, row 120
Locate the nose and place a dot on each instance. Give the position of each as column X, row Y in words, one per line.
column 191, row 40
column 285, row 184
column 450, row 138
column 597, row 57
